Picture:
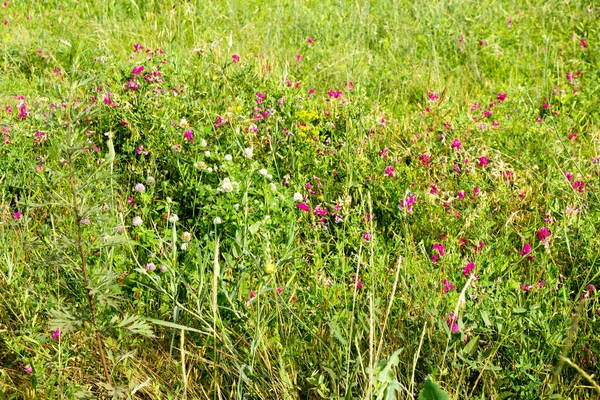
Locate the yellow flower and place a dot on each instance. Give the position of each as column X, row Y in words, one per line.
column 269, row 268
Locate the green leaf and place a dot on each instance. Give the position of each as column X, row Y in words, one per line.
column 432, row 391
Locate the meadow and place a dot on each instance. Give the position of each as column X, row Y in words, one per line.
column 334, row 199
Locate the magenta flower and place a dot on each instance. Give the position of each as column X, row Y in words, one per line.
column 407, row 203
column 28, row 369
column 434, row 189
column 236, row 58
column 303, row 206
column 17, row 215
column 501, row 96
column 389, row 171
column 451, row 321
column 580, row 185
column 569, row 176
column 189, row 136
column 56, row 334
column 367, row 237
column 483, row 161
column 456, row 144
column 310, row 40
column 359, row 284
column 526, row 287
column 487, row 113
column 137, row 70
column 468, row 268
column 439, row 248
column 432, row 96
column 583, row 43
column 461, row 194
column 448, row 286
column 543, row 234
column 526, row 249
column 475, row 191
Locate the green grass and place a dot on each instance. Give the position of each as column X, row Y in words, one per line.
column 244, row 294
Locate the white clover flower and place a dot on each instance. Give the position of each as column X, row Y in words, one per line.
column 209, row 169
column 228, row 157
column 140, row 187
column 248, row 152
column 228, row 186
column 207, row 153
column 269, row 176
column 184, row 246
column 263, row 172
column 150, row 181
column 173, row 218
column 137, row 221
column 273, row 187
column 186, row 236
column 203, row 143
column 217, row 221
column 298, row 197
column 183, row 123
column 236, row 207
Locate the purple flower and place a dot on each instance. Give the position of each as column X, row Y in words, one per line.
column 543, row 234
column 468, row 268
column 56, row 334
column 526, row 249
column 303, row 206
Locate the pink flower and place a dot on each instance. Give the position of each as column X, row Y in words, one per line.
column 434, row 189
column 526, row 287
column 543, row 234
column 303, row 206
column 468, row 268
column 583, row 43
column 432, row 96
column 456, row 144
column 17, row 215
column 367, row 237
column 188, row 136
column 483, row 161
column 440, row 249
column 448, row 286
column 56, row 334
column 476, row 192
column 299, row 57
column 28, row 369
column 137, row 70
column 451, row 321
column 568, row 176
column 236, row 58
column 580, row 185
column 501, row 96
column 389, row 171
column 359, row 284
column 526, row 249
column 461, row 194
column 408, row 203
column 425, row 160
column 310, row 40
column 487, row 113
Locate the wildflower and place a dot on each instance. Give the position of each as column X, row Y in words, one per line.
column 526, row 249
column 140, row 187
column 468, row 268
column 298, row 197
column 17, row 215
column 173, row 218
column 150, row 266
column 56, row 334
column 425, row 160
column 434, row 189
column 188, row 136
column 451, row 321
column 263, row 172
column 207, row 154
column 526, row 287
column 483, row 161
column 501, row 96
column 448, row 286
column 583, row 43
column 217, row 221
column 439, row 248
column 186, row 236
column 236, row 58
column 203, row 143
column 137, row 70
column 367, row 237
column 359, row 284
column 163, row 268
column 389, row 171
column 580, row 185
column 248, row 152
column 85, row 221
column 303, row 206
column 27, row 368
column 456, row 144
column 476, row 192
column 461, row 194
column 543, row 234
column 432, row 96
column 407, row 203
column 228, row 157
column 150, row 181
column 137, row 221
column 310, row 40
